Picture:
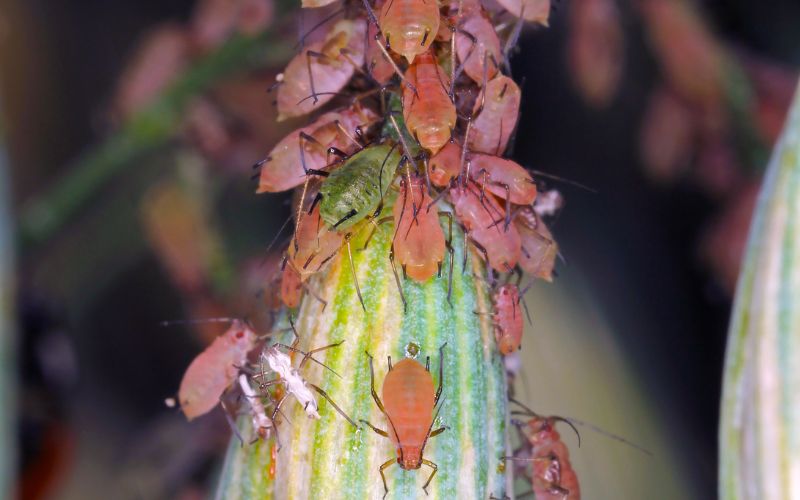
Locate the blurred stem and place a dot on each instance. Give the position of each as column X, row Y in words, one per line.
column 150, row 128
column 760, row 415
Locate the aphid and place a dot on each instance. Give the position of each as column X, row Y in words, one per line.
column 214, row 370
column 408, row 403
column 478, row 47
column 377, row 65
column 262, row 424
column 305, row 151
column 551, row 475
column 497, row 113
column 539, row 249
column 507, row 318
column 409, row 25
column 445, row 165
column 429, row 113
column 281, row 364
column 313, row 245
column 291, row 286
column 356, row 189
column 537, row 11
column 418, row 242
column 482, row 217
column 317, row 74
column 503, row 177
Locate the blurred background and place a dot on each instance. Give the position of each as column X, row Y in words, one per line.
column 128, row 132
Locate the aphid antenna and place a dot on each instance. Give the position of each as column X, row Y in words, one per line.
column 301, row 42
column 564, row 180
column 607, row 434
column 345, row 52
column 394, row 64
column 231, row 423
column 173, row 322
column 556, row 418
column 511, row 41
column 314, row 96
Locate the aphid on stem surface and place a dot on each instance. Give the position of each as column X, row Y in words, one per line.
column 507, row 318
column 429, row 113
column 322, row 69
column 409, row 26
column 408, row 403
column 215, row 369
column 496, row 121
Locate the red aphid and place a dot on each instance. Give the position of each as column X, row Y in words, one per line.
column 418, row 242
column 445, row 165
column 409, row 25
column 429, row 113
column 552, row 475
column 478, row 47
column 507, row 318
column 316, row 75
column 496, row 121
column 503, row 177
column 215, row 369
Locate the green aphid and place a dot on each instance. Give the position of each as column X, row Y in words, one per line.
column 389, row 131
column 354, row 190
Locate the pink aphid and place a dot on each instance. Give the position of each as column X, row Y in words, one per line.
column 445, row 165
column 507, row 318
column 419, row 240
column 539, row 249
column 377, row 65
column 497, row 119
column 308, row 146
column 503, row 177
column 316, row 75
column 215, row 369
column 313, row 245
column 478, row 47
column 483, row 219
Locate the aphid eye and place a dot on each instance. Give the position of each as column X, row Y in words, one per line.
column 239, row 334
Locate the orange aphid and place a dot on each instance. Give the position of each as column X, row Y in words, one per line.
column 408, row 403
column 507, row 318
column 419, row 240
column 313, row 244
column 503, row 177
column 537, row 11
column 478, row 47
column 496, row 121
column 315, row 75
column 291, row 286
column 283, row 167
column 429, row 113
column 445, row 165
column 215, row 369
column 409, row 25
column 552, row 475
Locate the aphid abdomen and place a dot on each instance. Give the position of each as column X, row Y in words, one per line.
column 492, row 128
column 419, row 241
column 539, row 251
column 501, row 173
column 353, row 191
column 478, row 47
column 409, row 25
column 313, row 245
column 427, row 109
column 408, row 396
column 445, row 165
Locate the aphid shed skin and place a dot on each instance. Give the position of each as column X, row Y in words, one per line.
column 418, row 242
column 429, row 113
column 507, row 318
column 497, row 119
column 315, row 75
column 355, row 190
column 408, row 403
column 409, row 25
column 215, row 369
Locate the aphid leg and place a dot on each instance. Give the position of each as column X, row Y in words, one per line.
column 394, row 65
column 397, row 278
column 438, row 431
column 322, row 58
column 372, row 385
column 441, row 374
column 353, row 270
column 389, row 361
column 435, row 470
column 383, row 467
column 427, row 363
column 335, row 406
column 377, row 431
column 314, row 294
column 231, row 422
column 375, row 228
column 450, row 250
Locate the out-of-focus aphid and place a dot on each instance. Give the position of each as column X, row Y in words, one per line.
column 536, row 11
column 305, row 150
column 313, row 245
column 596, row 49
column 539, row 250
column 215, row 369
column 503, row 177
column 507, row 317
column 668, row 133
column 498, row 111
column 478, row 47
column 291, row 286
column 482, row 217
column 418, row 242
column 262, row 424
column 408, row 403
column 377, row 65
column 445, row 165
column 317, row 74
column 429, row 113
column 409, row 26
